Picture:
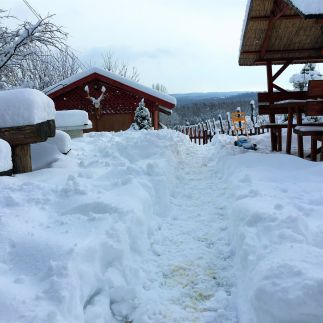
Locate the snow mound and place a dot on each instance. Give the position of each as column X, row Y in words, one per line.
column 5, row 156
column 275, row 208
column 87, row 222
column 71, row 118
column 44, row 154
column 23, row 107
column 62, row 141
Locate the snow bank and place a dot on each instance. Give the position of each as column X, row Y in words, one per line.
column 5, row 156
column 73, row 235
column 62, row 141
column 71, row 118
column 275, row 206
column 44, row 154
column 24, row 107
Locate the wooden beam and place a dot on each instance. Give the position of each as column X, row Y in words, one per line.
column 296, row 60
column 283, row 51
column 281, row 70
column 279, row 88
column 283, row 17
column 278, row 10
column 270, row 77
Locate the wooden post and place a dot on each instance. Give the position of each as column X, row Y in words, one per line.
column 313, row 148
column 270, row 84
column 156, row 119
column 289, row 131
column 300, row 142
column 21, row 158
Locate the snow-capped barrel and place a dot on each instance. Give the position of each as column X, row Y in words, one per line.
column 26, row 116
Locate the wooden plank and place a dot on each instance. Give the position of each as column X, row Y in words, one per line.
column 267, row 97
column 25, row 135
column 315, row 89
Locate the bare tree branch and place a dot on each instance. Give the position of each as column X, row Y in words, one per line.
column 111, row 64
column 17, row 44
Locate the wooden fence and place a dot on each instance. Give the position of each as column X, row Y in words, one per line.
column 204, row 132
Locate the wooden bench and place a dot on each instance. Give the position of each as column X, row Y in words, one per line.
column 316, row 134
column 20, row 138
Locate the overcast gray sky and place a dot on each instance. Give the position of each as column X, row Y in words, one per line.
column 188, row 45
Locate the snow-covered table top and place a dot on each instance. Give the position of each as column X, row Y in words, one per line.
column 309, row 128
column 23, row 107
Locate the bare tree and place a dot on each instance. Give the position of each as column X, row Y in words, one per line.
column 111, row 64
column 159, row 87
column 41, row 69
column 19, row 43
column 34, row 55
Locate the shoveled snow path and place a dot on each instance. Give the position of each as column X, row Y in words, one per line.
column 189, row 274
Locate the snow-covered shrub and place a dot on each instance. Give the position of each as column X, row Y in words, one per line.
column 308, row 73
column 142, row 117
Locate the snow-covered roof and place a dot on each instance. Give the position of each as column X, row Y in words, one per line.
column 285, row 43
column 113, row 76
column 308, row 7
column 22, row 107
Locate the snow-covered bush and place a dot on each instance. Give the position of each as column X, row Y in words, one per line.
column 142, row 117
column 308, row 73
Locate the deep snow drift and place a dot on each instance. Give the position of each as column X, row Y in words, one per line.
column 147, row 227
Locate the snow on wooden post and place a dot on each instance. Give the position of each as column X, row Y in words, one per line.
column 221, row 123
column 26, row 116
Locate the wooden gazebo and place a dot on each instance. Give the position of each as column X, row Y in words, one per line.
column 281, row 32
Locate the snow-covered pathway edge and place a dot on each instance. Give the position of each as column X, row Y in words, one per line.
column 275, row 209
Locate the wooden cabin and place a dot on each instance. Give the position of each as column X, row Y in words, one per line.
column 109, row 99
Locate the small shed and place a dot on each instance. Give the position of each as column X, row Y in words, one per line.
column 109, row 99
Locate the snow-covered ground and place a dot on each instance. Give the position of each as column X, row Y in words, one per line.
column 146, row 227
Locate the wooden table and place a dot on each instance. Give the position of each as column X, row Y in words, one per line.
column 291, row 108
column 20, row 138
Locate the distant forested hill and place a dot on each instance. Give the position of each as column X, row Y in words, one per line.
column 196, row 107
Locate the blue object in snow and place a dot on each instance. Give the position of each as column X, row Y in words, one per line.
column 244, row 143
